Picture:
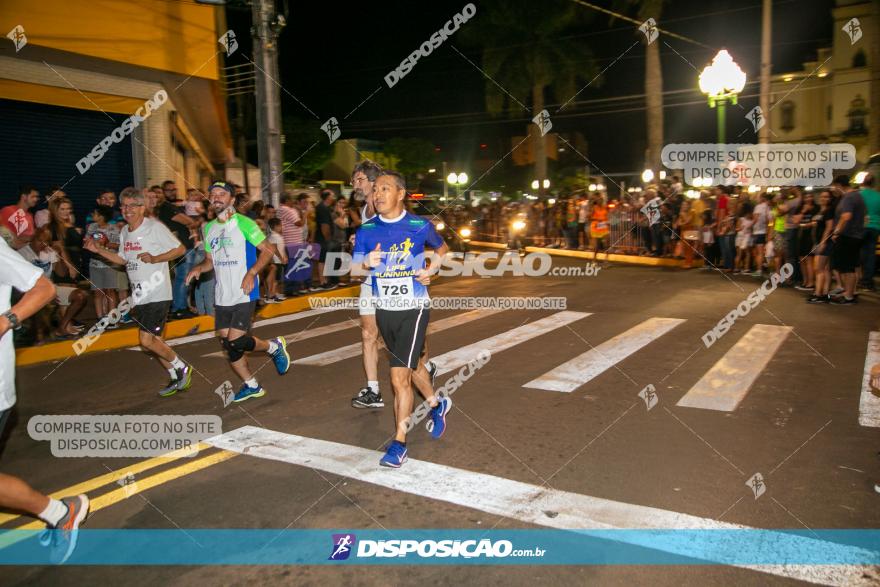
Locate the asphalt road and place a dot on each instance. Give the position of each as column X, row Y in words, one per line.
column 556, row 407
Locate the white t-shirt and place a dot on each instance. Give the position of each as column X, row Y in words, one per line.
column 154, row 238
column 277, row 240
column 763, row 212
column 233, row 248
column 18, row 273
column 44, row 261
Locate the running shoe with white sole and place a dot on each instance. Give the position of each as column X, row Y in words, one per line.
column 437, row 424
column 246, row 392
column 395, row 455
column 61, row 539
column 367, row 398
column 280, row 357
column 182, row 382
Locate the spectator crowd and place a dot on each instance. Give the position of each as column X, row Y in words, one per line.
column 829, row 235
column 46, row 232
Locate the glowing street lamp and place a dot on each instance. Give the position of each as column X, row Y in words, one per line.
column 721, row 82
column 457, row 180
column 647, row 176
column 536, row 185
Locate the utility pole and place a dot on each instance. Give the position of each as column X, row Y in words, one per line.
column 764, row 103
column 267, row 26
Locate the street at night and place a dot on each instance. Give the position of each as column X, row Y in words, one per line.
column 495, row 293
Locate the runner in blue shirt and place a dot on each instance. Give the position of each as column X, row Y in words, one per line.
column 390, row 248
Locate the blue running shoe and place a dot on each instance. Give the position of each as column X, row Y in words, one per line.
column 394, row 456
column 437, row 424
column 280, row 356
column 246, row 392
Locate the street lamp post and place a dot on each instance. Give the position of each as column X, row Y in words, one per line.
column 456, row 179
column 721, row 82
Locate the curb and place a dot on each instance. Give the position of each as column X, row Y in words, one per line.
column 120, row 339
column 603, row 257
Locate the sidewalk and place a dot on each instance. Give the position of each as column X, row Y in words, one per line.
column 127, row 337
column 603, row 257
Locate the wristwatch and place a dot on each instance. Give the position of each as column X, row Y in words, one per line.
column 13, row 319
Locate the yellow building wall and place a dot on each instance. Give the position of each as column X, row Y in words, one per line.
column 174, row 36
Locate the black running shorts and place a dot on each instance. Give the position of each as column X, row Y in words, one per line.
column 151, row 317
column 404, row 334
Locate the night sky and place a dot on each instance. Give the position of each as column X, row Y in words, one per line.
column 334, row 58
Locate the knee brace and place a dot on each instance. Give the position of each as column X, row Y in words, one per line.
column 236, row 348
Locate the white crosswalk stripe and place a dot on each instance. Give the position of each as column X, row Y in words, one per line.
column 500, row 342
column 528, row 503
column 869, row 404
column 572, row 374
column 726, row 384
column 355, row 349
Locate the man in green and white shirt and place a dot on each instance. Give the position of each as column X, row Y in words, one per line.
column 236, row 250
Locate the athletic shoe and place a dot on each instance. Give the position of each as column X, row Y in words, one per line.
column 394, row 456
column 246, row 392
column 280, row 297
column 756, row 274
column 280, row 357
column 836, row 291
column 432, row 371
column 804, row 288
column 169, row 389
column 329, row 286
column 438, row 417
column 61, row 539
column 877, row 487
column 314, row 289
column 842, row 301
column 268, row 300
column 367, row 398
column 818, row 300
column 184, row 377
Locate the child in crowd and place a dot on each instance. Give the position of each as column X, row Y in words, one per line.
column 103, row 276
column 744, row 222
column 275, row 270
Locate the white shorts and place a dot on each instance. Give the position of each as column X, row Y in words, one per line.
column 62, row 294
column 366, row 302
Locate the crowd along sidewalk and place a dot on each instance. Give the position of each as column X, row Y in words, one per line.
column 127, row 337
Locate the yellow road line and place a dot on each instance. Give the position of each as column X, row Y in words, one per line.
column 117, row 495
column 114, row 476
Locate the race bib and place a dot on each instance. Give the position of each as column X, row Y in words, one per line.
column 396, row 291
column 602, row 225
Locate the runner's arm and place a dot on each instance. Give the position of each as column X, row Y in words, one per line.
column 205, row 265
column 112, row 256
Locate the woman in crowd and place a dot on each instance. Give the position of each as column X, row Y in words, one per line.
column 806, row 221
column 824, row 226
column 67, row 241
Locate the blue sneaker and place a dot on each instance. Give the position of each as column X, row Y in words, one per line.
column 394, row 456
column 280, row 356
column 437, row 424
column 246, row 392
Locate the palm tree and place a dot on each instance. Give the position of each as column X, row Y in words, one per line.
column 526, row 51
column 653, row 79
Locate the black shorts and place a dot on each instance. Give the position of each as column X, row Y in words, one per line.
column 151, row 317
column 404, row 334
column 239, row 316
column 845, row 254
column 759, row 239
column 4, row 416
